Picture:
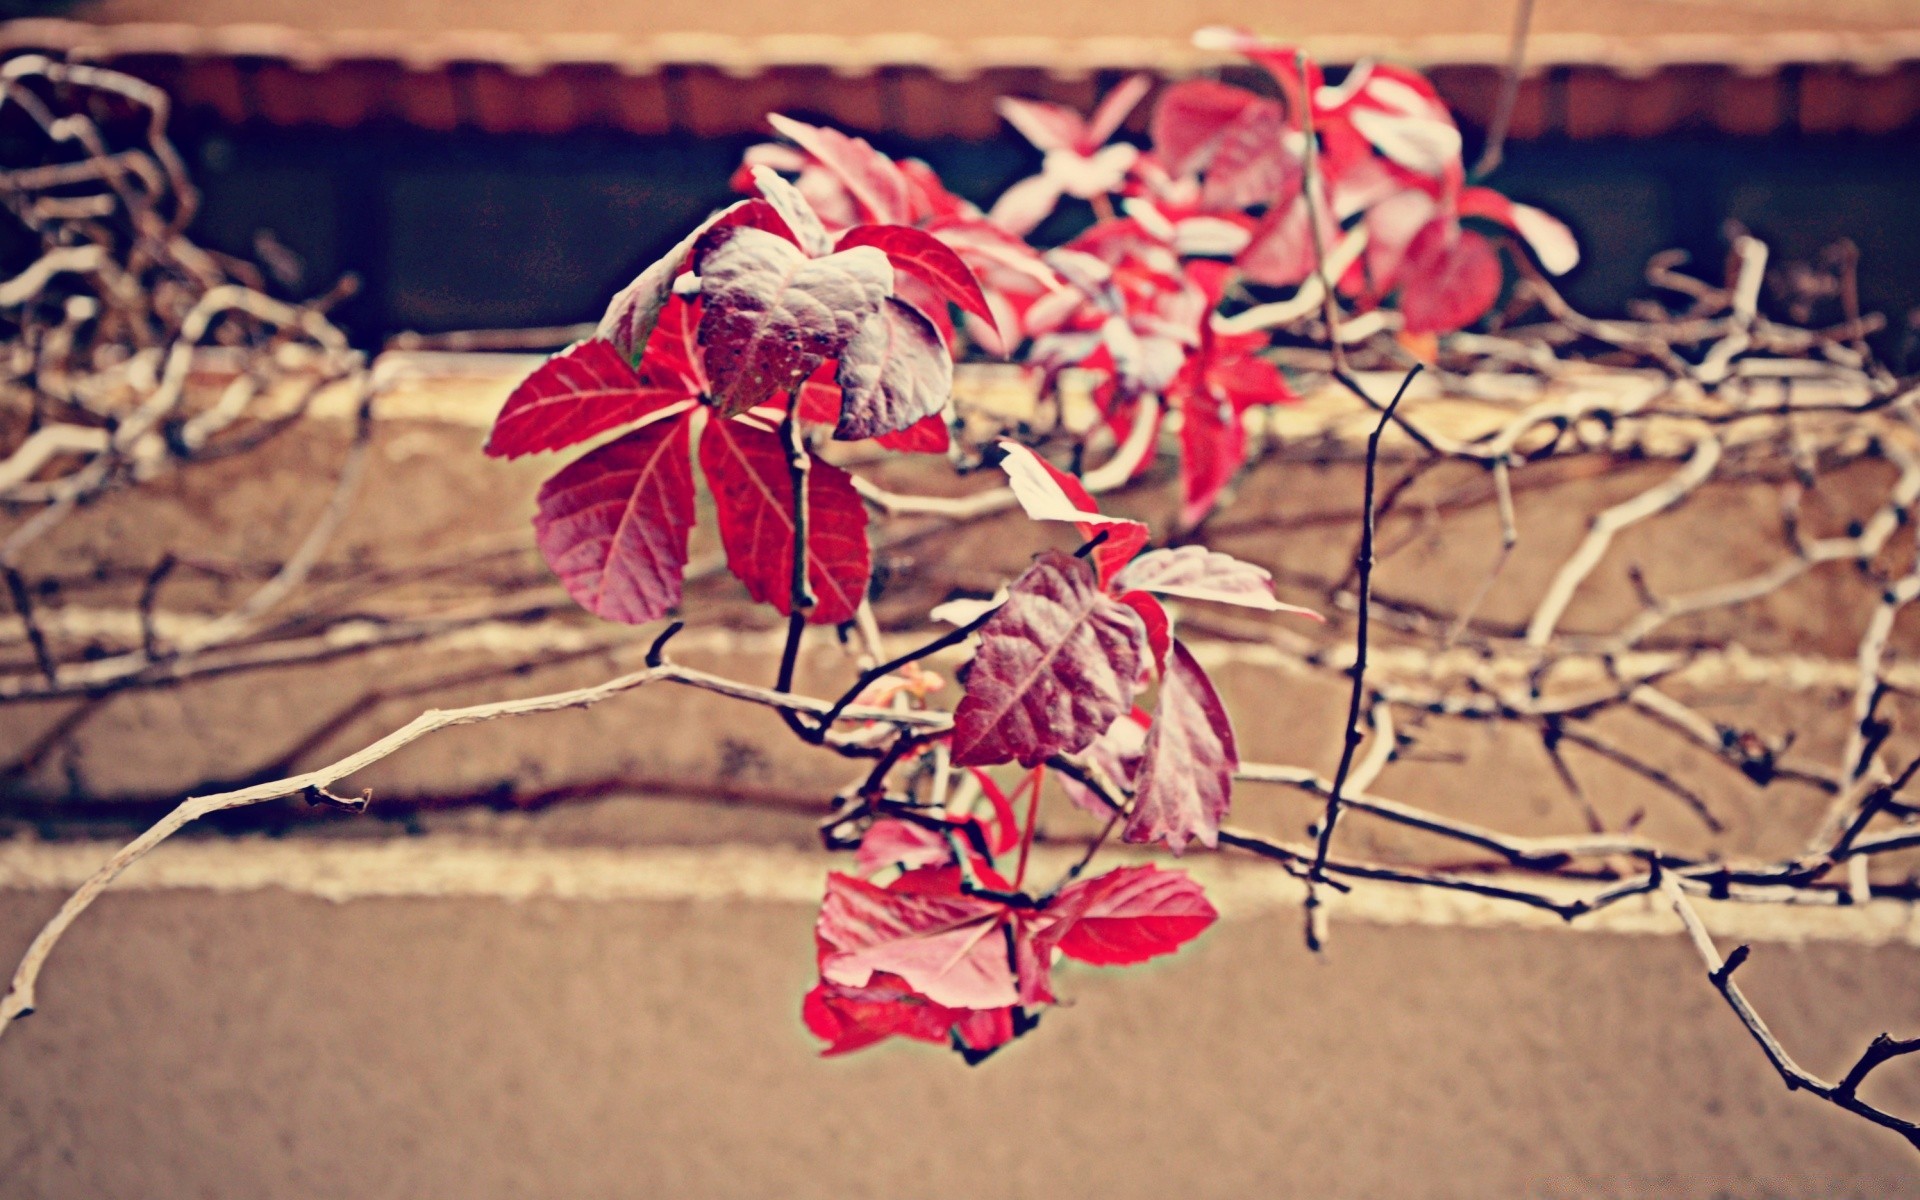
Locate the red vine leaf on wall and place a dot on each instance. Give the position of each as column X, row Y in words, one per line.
column 1127, row 916
column 747, row 470
column 1186, row 772
column 1058, row 661
column 584, row 390
column 893, row 374
column 614, row 524
column 772, row 315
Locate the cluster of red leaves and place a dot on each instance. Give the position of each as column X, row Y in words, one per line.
column 761, row 308
column 830, row 300
column 931, row 958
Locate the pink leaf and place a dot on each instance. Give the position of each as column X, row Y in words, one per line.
column 584, row 390
column 893, row 373
column 1117, row 753
column 1191, row 116
column 950, row 948
column 1449, row 282
column 1197, row 573
column 1115, row 107
column 771, row 315
column 890, row 842
column 1047, row 126
column 613, row 526
column 925, row 257
column 753, row 498
column 1186, row 777
column 1057, row 663
column 874, row 180
column 1250, row 164
column 1128, row 915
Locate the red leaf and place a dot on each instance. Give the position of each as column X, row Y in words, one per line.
column 1212, row 446
column 926, row 257
column 929, row 435
column 1190, row 118
column 891, row 842
column 613, row 526
column 672, row 358
column 873, row 179
column 753, row 497
column 1197, row 573
column 1186, row 776
column 1448, row 282
column 584, row 390
column 1159, row 628
column 852, row 1018
column 1057, row 663
column 632, row 313
column 894, row 373
column 820, row 397
column 771, row 315
column 950, row 948
column 1128, row 915
column 1046, row 493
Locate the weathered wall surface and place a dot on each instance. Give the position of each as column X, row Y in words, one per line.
column 266, row 1043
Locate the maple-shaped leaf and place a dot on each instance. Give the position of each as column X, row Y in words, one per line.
column 1047, row 493
column 747, row 472
column 1450, row 279
column 894, row 373
column 1128, row 915
column 771, row 315
column 584, row 390
column 1186, row 771
column 951, row 948
column 1197, row 573
column 853, row 1018
column 925, row 257
column 613, row 526
column 1058, row 661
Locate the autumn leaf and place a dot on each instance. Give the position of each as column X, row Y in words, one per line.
column 1058, row 661
column 853, row 1018
column 1046, row 493
column 927, row 258
column 950, row 948
column 1186, row 773
column 772, row 315
column 747, row 472
column 893, row 374
column 613, row 526
column 584, row 390
column 1450, row 279
column 1127, row 916
column 1197, row 573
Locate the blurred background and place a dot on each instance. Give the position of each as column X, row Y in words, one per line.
column 493, row 163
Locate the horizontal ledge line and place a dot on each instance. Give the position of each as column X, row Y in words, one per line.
column 463, row 868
